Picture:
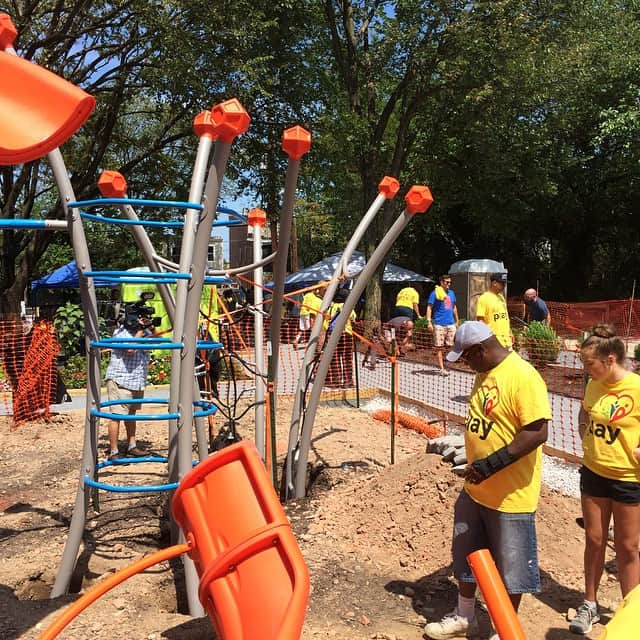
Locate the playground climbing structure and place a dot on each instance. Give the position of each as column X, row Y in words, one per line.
column 38, row 112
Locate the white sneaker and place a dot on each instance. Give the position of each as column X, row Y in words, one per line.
column 452, row 626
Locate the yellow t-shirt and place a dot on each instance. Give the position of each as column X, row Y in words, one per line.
column 503, row 401
column 310, row 304
column 407, row 297
column 614, row 428
column 492, row 308
column 334, row 310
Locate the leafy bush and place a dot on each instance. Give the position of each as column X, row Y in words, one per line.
column 542, row 343
column 74, row 371
column 69, row 324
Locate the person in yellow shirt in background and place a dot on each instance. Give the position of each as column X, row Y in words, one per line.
column 609, row 425
column 492, row 309
column 403, row 315
column 309, row 309
column 340, row 372
column 505, row 428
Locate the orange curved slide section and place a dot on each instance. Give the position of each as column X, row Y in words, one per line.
column 39, row 110
column 254, row 582
column 75, row 608
column 503, row 615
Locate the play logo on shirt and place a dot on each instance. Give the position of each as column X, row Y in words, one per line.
column 619, row 406
column 490, row 398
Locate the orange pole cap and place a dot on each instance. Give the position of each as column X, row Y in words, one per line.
column 257, row 217
column 8, row 31
column 296, row 141
column 112, row 184
column 230, row 119
column 203, row 125
column 418, row 199
column 388, row 187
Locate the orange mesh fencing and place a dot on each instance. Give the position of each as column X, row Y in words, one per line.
column 415, row 423
column 29, row 370
column 572, row 319
column 363, row 366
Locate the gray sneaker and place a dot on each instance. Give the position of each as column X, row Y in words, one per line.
column 585, row 617
column 452, row 626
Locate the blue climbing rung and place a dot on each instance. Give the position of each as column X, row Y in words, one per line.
column 136, row 343
column 99, row 202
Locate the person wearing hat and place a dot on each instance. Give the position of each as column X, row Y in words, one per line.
column 505, row 428
column 491, row 309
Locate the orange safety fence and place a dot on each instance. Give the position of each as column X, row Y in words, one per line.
column 28, row 370
column 363, row 365
column 572, row 319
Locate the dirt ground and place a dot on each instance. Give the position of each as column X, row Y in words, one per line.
column 376, row 538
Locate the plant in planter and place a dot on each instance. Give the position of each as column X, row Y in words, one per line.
column 542, row 344
column 422, row 337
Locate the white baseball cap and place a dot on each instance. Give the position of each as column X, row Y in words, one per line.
column 469, row 333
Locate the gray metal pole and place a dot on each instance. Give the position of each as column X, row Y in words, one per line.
column 257, row 219
column 92, row 329
column 388, row 188
column 418, row 200
column 206, row 135
column 229, row 120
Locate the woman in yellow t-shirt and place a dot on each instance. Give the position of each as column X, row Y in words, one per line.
column 609, row 425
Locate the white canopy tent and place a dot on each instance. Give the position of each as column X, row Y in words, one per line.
column 324, row 270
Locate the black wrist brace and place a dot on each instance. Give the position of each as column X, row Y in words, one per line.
column 494, row 462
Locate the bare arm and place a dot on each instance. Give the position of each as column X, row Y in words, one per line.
column 455, row 314
column 428, row 317
column 583, row 421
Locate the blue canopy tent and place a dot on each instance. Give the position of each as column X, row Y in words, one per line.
column 323, row 270
column 65, row 277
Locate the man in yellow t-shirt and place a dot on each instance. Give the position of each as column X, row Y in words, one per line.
column 505, row 427
column 491, row 309
column 309, row 309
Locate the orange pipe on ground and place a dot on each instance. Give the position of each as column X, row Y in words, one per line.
column 503, row 615
column 75, row 608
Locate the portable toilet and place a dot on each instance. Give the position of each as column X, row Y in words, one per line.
column 469, row 280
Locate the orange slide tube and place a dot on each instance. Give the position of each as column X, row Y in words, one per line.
column 75, row 608
column 495, row 595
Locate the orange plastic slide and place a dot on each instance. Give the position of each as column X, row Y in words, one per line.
column 254, row 582
column 39, row 110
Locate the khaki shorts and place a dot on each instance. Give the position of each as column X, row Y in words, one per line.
column 116, row 392
column 443, row 335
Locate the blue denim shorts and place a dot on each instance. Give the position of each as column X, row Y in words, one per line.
column 510, row 537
